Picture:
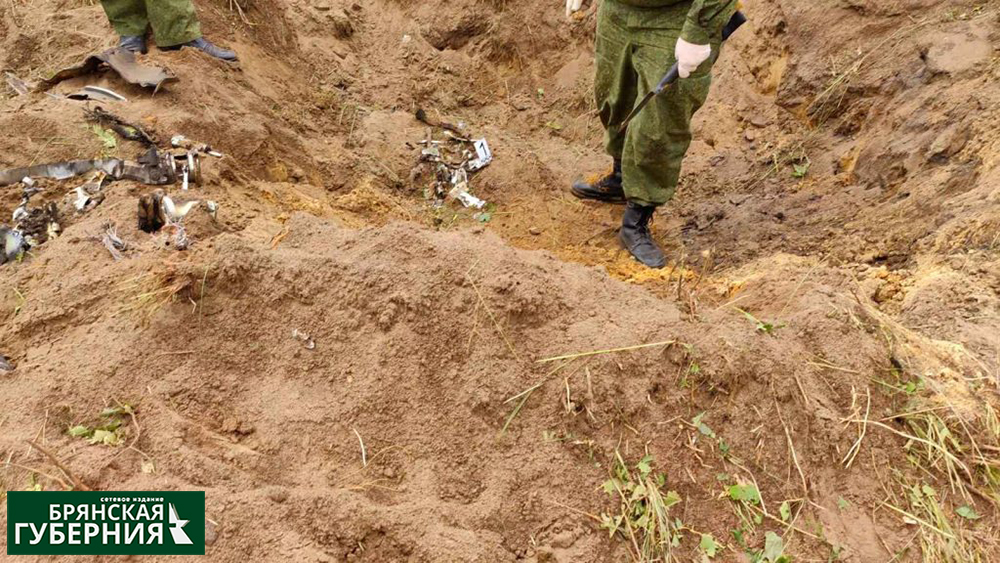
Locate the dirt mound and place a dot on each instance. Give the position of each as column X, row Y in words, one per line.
column 354, row 373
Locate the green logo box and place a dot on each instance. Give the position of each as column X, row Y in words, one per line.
column 105, row 523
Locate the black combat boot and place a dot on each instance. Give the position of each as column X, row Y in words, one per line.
column 636, row 238
column 207, row 47
column 608, row 188
column 134, row 43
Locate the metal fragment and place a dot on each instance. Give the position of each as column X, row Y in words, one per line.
column 16, row 84
column 306, row 340
column 12, row 244
column 153, row 168
column 97, row 94
column 484, row 156
column 122, row 62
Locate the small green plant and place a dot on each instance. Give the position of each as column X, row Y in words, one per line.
column 785, row 511
column 108, row 140
column 774, row 550
column 106, row 433
column 745, row 498
column 21, row 300
column 643, row 514
column 762, row 327
column 709, row 546
column 967, row 512
column 33, row 484
column 801, row 168
column 939, row 540
column 699, row 423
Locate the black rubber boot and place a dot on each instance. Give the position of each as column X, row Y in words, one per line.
column 636, row 238
column 608, row 188
column 207, row 47
column 134, row 43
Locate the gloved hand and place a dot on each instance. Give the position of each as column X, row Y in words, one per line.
column 573, row 6
column 690, row 56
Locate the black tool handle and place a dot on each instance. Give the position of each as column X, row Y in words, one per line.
column 735, row 22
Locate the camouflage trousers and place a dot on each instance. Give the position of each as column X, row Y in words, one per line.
column 173, row 21
column 634, row 50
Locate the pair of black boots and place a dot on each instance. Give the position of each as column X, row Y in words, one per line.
column 634, row 234
column 137, row 44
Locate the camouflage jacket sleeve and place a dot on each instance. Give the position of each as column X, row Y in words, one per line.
column 706, row 19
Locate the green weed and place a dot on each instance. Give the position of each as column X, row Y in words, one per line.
column 643, row 514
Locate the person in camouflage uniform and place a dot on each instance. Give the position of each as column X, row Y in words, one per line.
column 637, row 43
column 174, row 23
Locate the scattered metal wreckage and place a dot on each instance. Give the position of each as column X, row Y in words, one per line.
column 155, row 168
column 119, row 60
column 157, row 209
column 33, row 226
column 182, row 142
column 114, row 243
column 158, row 212
column 453, row 160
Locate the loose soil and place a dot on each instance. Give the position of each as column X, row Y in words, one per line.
column 832, row 303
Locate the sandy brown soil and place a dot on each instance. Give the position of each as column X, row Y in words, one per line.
column 877, row 273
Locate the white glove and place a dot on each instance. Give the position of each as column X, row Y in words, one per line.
column 573, row 6
column 690, row 56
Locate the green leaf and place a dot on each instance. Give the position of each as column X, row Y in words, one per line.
column 800, row 170
column 639, row 492
column 708, row 545
column 785, row 510
column 104, row 437
column 723, row 447
column 967, row 512
column 115, row 411
column 773, row 546
column 80, row 431
column 842, row 503
column 106, row 137
column 744, row 493
column 642, row 521
column 701, row 426
column 610, row 524
column 644, row 466
column 671, row 498
column 111, row 426
column 609, row 486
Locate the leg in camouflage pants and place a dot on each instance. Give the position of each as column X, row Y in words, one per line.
column 635, row 48
column 174, row 22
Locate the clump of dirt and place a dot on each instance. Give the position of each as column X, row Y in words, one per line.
column 352, row 372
